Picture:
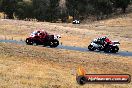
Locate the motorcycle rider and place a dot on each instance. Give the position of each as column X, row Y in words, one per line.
column 38, row 32
column 43, row 34
column 33, row 34
column 102, row 41
column 104, row 44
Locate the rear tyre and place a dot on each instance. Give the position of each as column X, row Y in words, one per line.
column 115, row 49
column 54, row 43
column 91, row 48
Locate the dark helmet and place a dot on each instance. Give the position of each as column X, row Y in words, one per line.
column 38, row 31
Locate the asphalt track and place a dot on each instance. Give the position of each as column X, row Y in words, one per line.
column 120, row 53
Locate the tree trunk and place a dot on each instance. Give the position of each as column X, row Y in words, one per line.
column 10, row 16
column 124, row 9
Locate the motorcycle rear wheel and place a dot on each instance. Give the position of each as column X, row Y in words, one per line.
column 115, row 49
column 54, row 43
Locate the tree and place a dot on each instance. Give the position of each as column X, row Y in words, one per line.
column 77, row 8
column 72, row 8
column 81, row 8
column 40, row 8
column 63, row 10
column 0, row 5
column 24, row 10
column 46, row 10
column 121, row 4
column 101, row 7
column 8, row 7
column 53, row 11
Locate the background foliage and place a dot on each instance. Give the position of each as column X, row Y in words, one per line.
column 51, row 10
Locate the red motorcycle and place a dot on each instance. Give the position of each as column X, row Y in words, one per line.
column 43, row 38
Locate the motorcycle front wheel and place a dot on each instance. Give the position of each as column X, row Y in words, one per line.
column 29, row 41
column 91, row 48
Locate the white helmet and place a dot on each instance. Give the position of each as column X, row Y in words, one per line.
column 95, row 40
